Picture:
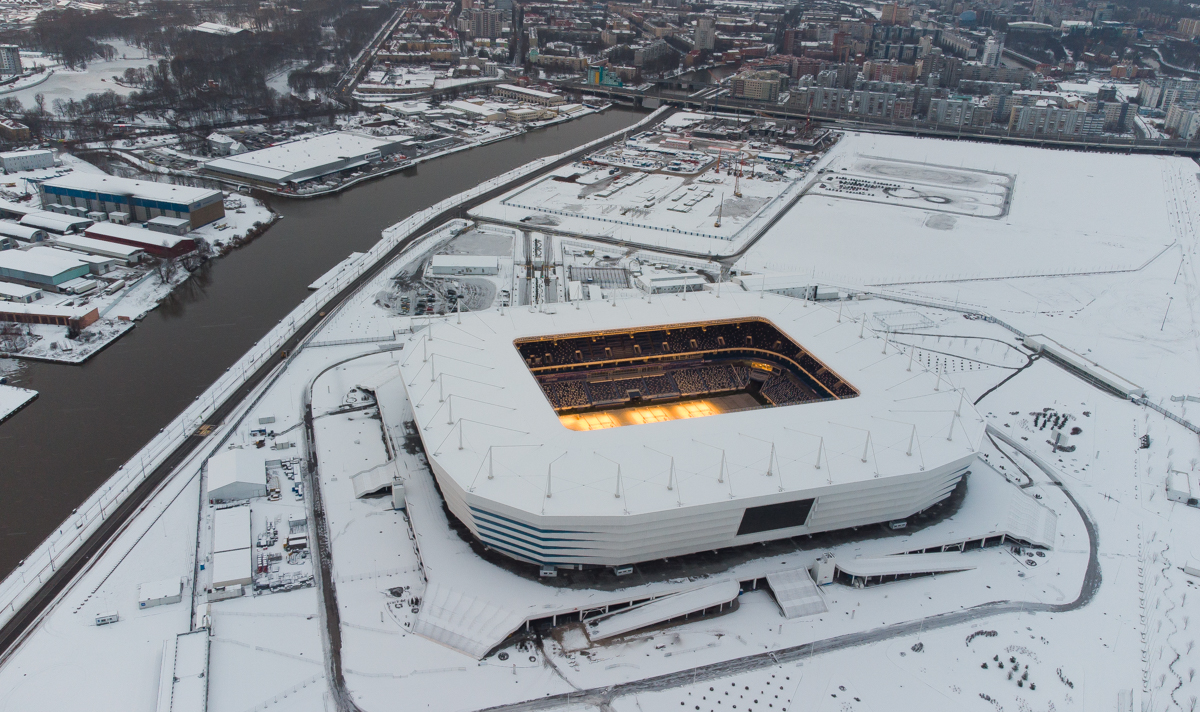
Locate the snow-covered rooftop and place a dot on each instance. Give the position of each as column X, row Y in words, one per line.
column 148, row 190
column 473, row 392
column 279, row 163
column 39, row 260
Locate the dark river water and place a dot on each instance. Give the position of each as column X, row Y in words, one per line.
column 89, row 419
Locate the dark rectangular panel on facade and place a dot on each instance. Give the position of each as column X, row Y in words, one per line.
column 770, row 517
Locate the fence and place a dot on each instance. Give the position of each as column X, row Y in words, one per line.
column 23, row 582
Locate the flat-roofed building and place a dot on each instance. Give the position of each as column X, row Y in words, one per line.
column 144, row 200
column 71, row 317
column 13, row 161
column 159, row 244
column 310, row 158
column 10, row 59
column 478, row 112
column 41, row 267
column 529, row 96
column 127, row 254
column 20, row 293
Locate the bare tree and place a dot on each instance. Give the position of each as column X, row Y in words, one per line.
column 165, row 268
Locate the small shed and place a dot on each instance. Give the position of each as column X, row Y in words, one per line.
column 235, row 475
column 170, row 226
column 160, row 593
column 1181, row 488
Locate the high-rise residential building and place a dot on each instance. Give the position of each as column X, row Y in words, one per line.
column 10, row 59
column 1059, row 122
column 706, row 32
column 895, row 14
column 993, row 50
column 487, row 23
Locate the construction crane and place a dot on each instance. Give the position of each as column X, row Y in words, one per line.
column 737, row 179
column 720, row 210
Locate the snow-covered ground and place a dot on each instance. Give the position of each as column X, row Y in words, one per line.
column 13, row 399
column 1096, row 251
column 69, row 84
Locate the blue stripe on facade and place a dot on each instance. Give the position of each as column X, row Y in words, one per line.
column 522, row 533
column 484, row 512
column 510, row 537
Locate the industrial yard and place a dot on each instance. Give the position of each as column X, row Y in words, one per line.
column 77, row 272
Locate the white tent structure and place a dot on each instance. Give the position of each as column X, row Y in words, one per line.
column 234, row 475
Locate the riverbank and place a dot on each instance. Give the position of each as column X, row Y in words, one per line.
column 109, row 408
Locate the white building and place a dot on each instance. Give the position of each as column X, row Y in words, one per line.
column 1183, row 487
column 160, row 593
column 444, row 265
column 235, row 475
column 669, row 282
column 221, row 145
column 309, row 158
column 993, row 51
column 655, row 485
column 487, row 111
column 126, row 254
column 19, row 293
column 14, row 161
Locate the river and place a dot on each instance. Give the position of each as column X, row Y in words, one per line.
column 89, row 419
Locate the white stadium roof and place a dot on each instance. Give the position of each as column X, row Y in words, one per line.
column 498, row 447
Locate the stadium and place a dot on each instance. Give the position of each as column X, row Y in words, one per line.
column 610, row 434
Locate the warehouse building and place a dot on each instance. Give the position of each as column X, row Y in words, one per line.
column 486, row 112
column 159, row 244
column 19, row 293
column 231, row 550
column 71, row 317
column 310, row 158
column 14, row 161
column 235, row 475
column 41, row 267
column 529, row 96
column 57, row 223
column 446, row 265
column 143, row 200
column 25, row 233
column 126, row 254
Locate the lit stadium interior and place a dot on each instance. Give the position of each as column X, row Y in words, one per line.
column 610, row 379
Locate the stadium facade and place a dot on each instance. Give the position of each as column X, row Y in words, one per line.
column 609, row 435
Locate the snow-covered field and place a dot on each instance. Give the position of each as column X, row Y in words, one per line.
column 1099, row 620
column 67, row 84
column 1069, row 213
